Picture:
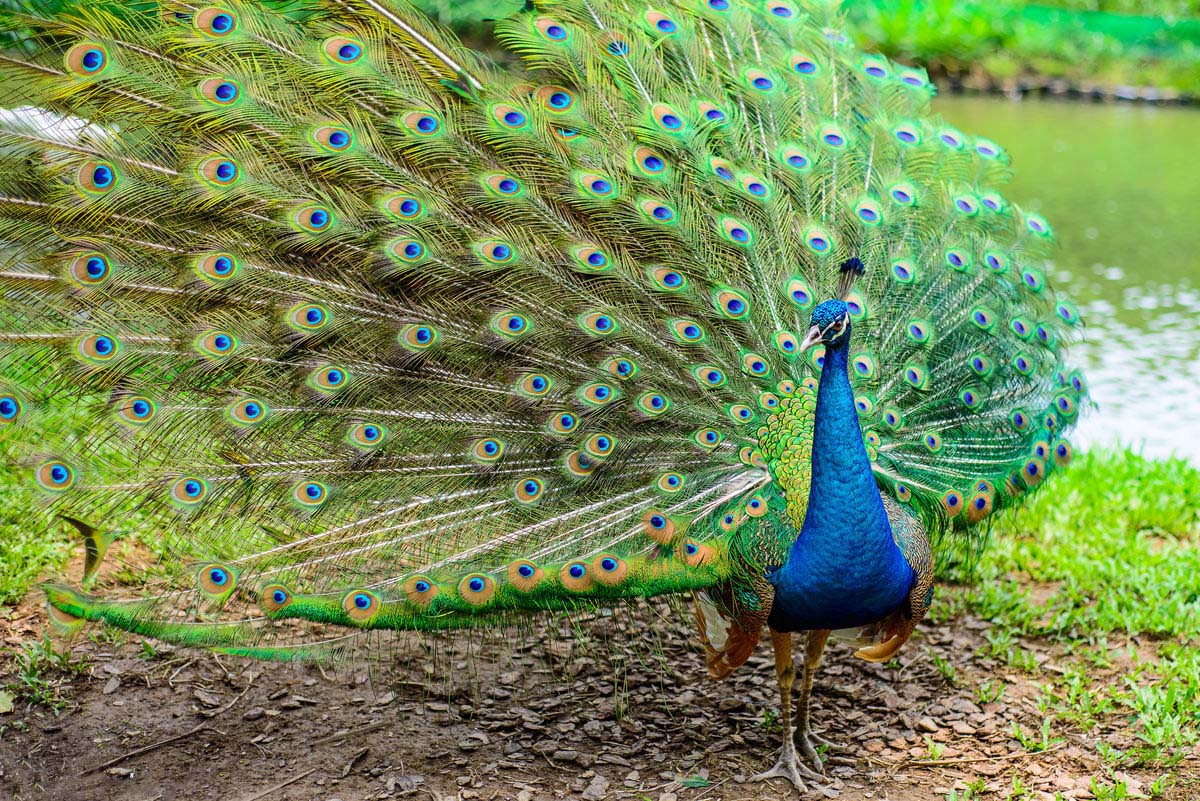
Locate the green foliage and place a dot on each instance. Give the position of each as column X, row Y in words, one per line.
column 37, row 665
column 1059, row 40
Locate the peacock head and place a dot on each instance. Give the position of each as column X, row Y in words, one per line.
column 830, row 324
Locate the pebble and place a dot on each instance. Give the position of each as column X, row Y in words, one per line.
column 927, row 724
column 255, row 713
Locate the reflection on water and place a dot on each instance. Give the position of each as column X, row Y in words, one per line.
column 1121, row 185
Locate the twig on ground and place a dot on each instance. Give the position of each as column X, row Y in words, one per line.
column 169, row 740
column 280, row 786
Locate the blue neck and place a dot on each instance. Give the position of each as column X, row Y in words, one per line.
column 844, row 568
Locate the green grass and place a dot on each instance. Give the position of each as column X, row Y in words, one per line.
column 1104, row 553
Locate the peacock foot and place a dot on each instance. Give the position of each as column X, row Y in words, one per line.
column 789, row 767
column 810, row 745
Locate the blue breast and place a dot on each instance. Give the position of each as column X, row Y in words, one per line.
column 844, row 568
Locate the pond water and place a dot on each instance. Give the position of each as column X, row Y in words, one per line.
column 1121, row 186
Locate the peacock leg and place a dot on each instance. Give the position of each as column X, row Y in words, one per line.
column 806, row 741
column 788, row 766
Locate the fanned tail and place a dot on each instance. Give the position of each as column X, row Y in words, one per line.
column 358, row 329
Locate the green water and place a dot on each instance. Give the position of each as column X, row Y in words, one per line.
column 1121, row 185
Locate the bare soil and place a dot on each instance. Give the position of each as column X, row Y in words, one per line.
column 611, row 706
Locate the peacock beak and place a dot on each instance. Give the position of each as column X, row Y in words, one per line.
column 813, row 337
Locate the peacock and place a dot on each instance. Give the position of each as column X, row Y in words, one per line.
column 363, row 331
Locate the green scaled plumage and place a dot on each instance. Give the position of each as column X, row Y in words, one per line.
column 361, row 329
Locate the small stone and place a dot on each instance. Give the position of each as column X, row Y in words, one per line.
column 963, row 728
column 597, row 790
column 564, row 755
column 927, row 724
column 111, row 686
column 254, row 714
column 290, row 703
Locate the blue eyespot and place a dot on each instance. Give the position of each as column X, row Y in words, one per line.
column 362, row 600
column 608, row 564
column 691, row 549
column 427, row 124
column 92, row 60
column 560, row 100
column 226, row 92
column 514, row 118
column 653, row 163
column 102, row 177
column 349, row 52
column 666, row 26
column 735, row 306
column 763, row 83
column 218, row 576
column 421, row 586
column 715, row 114
column 525, row 570
column 476, row 584
column 279, row 596
column 319, row 218
column 577, row 571
column 718, row 5
column 601, row 392
column 556, row 32
column 223, row 265
column 672, row 279
column 9, row 407
column 192, row 488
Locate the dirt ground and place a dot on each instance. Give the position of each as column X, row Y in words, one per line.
column 592, row 711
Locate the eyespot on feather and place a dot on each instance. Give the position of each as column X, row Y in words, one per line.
column 524, row 576
column 597, row 394
column 219, row 91
column 709, row 376
column 361, row 606
column 313, row 219
column 600, row 446
column 660, row 23
column 695, row 554
column 329, row 378
column 741, row 413
column 342, row 50
column 952, row 503
column 804, row 65
column 598, row 324
column 660, row 527
column 55, row 476
column 420, row 590
column 579, row 464
column 786, row 343
column 510, row 117
column 591, row 259
column 609, row 570
column 215, row 21
column 657, row 211
column 403, row 207
column 688, row 331
column 10, row 408
column 576, row 576
column 614, row 45
column 476, row 588
column 407, row 251
column 552, row 30
column 333, row 138
column 310, row 494
column 87, row 59
column 621, row 367
column 308, row 317
column 755, row 365
column 555, row 99
column 648, row 162
column 818, row 240
column 511, row 325
column 418, row 336
column 97, row 348
column 737, row 232
column 274, row 598
column 366, row 435
column 670, row 483
column 189, row 491
column 668, row 279
column 248, row 412
column 534, row 385
column 217, row 268
column 668, row 119
column 528, row 490
column 422, row 123
column 711, row 114
column 217, row 344
column 756, row 506
column 487, row 450
column 219, row 170
column 496, row 251
column 759, row 81
column 216, row 581
column 707, row 438
column 504, row 185
column 96, row 177
column 90, row 269
column 563, row 423
column 653, row 403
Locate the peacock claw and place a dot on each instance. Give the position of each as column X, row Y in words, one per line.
column 811, row 744
column 789, row 767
